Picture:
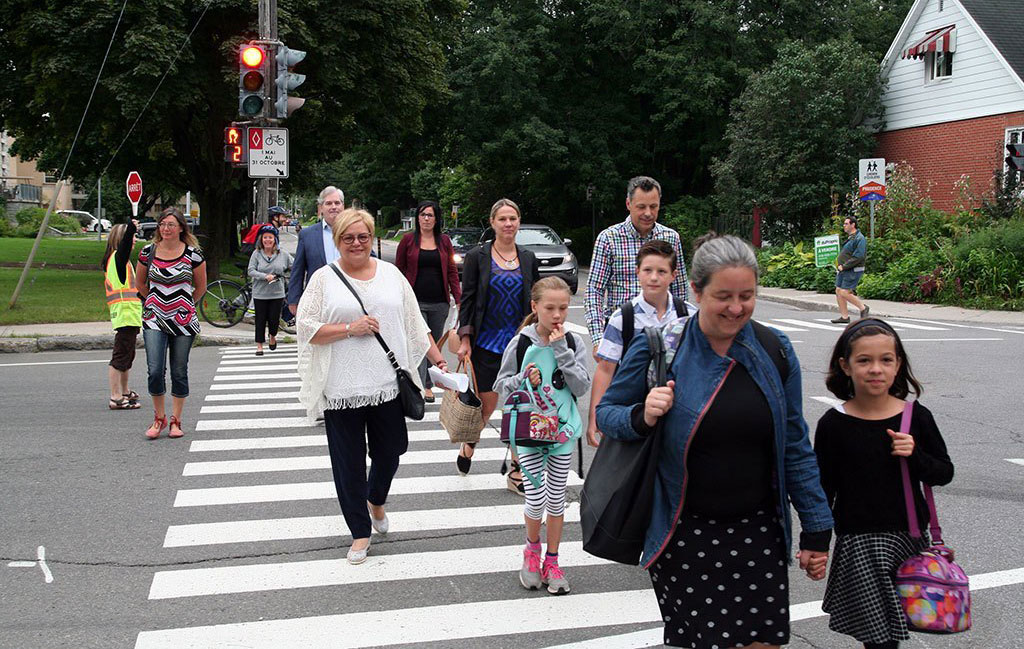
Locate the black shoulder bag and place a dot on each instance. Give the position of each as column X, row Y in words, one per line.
column 618, row 494
column 409, row 395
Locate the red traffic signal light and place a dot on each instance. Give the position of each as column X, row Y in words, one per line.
column 253, row 56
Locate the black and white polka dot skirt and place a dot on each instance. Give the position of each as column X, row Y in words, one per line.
column 723, row 583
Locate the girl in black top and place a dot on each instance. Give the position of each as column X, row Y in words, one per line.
column 858, row 447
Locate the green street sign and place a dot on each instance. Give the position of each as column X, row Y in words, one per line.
column 826, row 250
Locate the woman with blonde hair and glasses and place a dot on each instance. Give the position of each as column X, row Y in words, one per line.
column 171, row 275
column 347, row 376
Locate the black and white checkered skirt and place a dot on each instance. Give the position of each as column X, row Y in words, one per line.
column 723, row 583
column 860, row 597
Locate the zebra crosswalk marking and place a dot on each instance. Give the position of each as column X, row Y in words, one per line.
column 309, row 527
column 337, row 572
column 212, row 496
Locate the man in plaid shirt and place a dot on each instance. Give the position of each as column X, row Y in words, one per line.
column 613, row 277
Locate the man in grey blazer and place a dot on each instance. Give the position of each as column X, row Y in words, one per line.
column 316, row 244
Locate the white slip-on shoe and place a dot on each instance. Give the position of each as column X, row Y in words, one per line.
column 380, row 525
column 356, row 557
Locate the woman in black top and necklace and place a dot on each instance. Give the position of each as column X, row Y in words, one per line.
column 497, row 278
column 425, row 257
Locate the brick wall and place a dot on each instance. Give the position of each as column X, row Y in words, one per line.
column 941, row 153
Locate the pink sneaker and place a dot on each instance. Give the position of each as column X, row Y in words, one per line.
column 553, row 577
column 529, row 574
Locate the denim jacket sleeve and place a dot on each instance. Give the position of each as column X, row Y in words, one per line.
column 628, row 388
column 803, row 483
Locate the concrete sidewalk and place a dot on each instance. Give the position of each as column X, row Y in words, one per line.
column 72, row 336
column 827, row 302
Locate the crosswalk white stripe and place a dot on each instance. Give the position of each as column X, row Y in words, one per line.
column 296, row 441
column 572, row 326
column 257, row 376
column 807, row 323
column 961, row 326
column 1016, row 461
column 252, row 396
column 444, row 623
column 829, row 401
column 310, row 462
column 251, row 407
column 310, row 527
column 907, row 325
column 783, row 327
column 276, row 358
column 252, row 424
column 324, row 490
column 255, row 368
column 241, row 349
column 198, row 582
column 257, row 385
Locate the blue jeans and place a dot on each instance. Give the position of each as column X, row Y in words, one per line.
column 157, row 345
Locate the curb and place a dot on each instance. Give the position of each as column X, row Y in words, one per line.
column 807, row 304
column 16, row 345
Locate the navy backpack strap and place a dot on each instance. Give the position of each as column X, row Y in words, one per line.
column 773, row 346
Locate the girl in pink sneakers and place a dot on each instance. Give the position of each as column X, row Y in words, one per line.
column 551, row 360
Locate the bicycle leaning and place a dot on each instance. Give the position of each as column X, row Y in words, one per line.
column 226, row 302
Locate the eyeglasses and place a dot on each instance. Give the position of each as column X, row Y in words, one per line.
column 349, row 239
column 172, row 224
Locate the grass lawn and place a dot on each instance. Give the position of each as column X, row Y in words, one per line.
column 51, row 295
column 74, row 250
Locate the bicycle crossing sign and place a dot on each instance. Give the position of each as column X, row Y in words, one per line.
column 268, row 152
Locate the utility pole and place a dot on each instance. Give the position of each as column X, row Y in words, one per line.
column 268, row 32
column 99, row 208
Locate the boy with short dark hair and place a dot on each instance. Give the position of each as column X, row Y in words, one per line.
column 654, row 306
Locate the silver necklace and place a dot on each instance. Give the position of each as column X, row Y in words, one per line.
column 509, row 263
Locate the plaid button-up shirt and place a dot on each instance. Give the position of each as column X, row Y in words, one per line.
column 613, row 271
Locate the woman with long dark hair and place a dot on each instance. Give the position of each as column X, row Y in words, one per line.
column 172, row 278
column 425, row 257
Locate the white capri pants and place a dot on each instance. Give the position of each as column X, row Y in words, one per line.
column 552, row 477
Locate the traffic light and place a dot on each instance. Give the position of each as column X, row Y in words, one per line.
column 287, row 80
column 234, row 145
column 252, row 64
column 1015, row 159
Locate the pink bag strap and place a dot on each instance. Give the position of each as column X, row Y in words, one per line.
column 908, row 491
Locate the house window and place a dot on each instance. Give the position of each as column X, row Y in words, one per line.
column 1013, row 136
column 940, row 65
column 50, row 179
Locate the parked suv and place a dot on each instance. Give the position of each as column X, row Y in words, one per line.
column 552, row 252
column 463, row 240
column 89, row 222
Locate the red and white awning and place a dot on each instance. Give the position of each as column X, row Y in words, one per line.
column 937, row 40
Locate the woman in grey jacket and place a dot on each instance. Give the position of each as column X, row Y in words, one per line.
column 267, row 268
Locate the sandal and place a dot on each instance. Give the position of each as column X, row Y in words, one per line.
column 158, row 425
column 170, row 428
column 124, row 403
column 132, row 395
column 515, row 484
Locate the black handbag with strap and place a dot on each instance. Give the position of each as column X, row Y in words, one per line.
column 618, row 494
column 409, row 395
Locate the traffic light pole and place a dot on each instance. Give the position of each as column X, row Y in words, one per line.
column 268, row 32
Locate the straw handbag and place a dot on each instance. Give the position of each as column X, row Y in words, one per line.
column 460, row 411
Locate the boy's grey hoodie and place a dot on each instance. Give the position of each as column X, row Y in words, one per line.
column 572, row 364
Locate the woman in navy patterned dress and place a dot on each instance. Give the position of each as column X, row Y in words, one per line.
column 171, row 276
column 496, row 281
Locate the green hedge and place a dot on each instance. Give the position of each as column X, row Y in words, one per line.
column 29, row 219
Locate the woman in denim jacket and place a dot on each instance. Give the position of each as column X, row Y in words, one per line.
column 735, row 453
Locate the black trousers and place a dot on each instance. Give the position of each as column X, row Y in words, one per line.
column 348, row 431
column 268, row 315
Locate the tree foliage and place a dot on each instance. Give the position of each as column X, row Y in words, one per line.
column 372, row 67
column 797, row 132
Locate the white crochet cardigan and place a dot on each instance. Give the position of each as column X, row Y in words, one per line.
column 355, row 372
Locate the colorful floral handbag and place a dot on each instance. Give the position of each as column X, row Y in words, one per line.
column 933, row 590
column 530, row 418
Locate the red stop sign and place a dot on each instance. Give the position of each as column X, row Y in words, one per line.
column 134, row 186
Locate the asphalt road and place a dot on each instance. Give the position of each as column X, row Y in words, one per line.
column 229, row 538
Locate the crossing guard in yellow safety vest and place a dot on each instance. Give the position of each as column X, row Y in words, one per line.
column 122, row 299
